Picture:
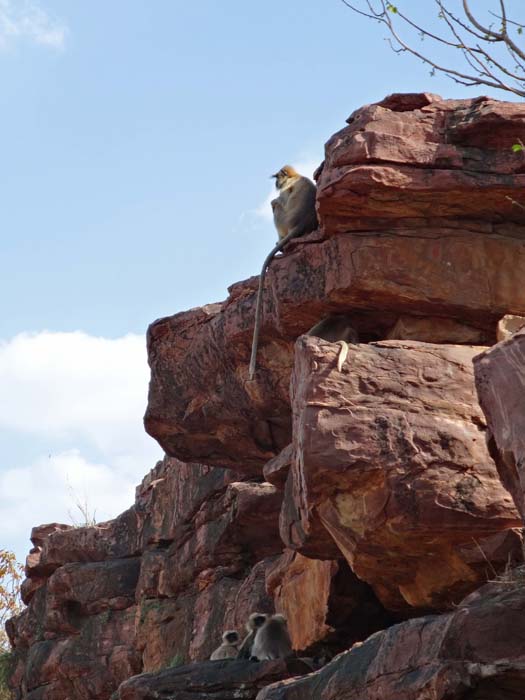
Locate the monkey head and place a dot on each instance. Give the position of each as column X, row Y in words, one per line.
column 230, row 637
column 255, row 621
column 286, row 173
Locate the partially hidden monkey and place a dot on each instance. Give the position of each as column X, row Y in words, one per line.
column 336, row 329
column 255, row 621
column 228, row 648
column 272, row 640
column 294, row 215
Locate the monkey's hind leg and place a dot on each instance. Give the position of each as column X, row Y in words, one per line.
column 343, row 353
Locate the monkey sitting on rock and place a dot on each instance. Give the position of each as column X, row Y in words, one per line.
column 336, row 328
column 294, row 208
column 294, row 214
column 255, row 621
column 228, row 648
column 272, row 640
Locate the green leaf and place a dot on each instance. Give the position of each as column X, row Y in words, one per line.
column 520, row 30
column 517, row 147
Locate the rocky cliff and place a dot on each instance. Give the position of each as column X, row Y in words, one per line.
column 370, row 505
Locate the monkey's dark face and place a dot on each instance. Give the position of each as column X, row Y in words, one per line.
column 231, row 637
column 259, row 620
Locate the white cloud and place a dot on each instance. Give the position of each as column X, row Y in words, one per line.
column 73, row 384
column 305, row 167
column 25, row 20
column 70, row 390
column 48, row 490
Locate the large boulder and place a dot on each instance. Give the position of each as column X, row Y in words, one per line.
column 390, row 454
column 500, row 380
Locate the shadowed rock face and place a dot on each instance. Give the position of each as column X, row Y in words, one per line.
column 154, row 587
column 327, row 607
column 195, row 555
column 391, row 456
column 417, row 240
column 234, row 679
column 460, row 655
column 500, row 380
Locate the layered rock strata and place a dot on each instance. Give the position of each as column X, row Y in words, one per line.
column 417, row 238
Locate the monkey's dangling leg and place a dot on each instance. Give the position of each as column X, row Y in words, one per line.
column 343, row 352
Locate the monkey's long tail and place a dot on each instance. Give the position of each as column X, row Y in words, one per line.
column 259, row 305
column 343, row 353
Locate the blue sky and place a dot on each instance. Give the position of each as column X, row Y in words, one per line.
column 138, row 138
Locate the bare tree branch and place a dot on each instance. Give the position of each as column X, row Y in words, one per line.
column 475, row 54
column 484, row 30
column 484, row 67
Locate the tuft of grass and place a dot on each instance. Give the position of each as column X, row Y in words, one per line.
column 512, row 575
column 175, row 661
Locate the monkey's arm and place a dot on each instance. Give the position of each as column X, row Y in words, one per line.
column 258, row 308
column 245, row 650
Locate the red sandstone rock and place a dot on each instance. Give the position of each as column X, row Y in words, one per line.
column 41, row 532
column 154, row 587
column 35, row 569
column 301, row 588
column 86, row 666
column 326, row 605
column 276, row 470
column 469, row 653
column 113, row 539
column 414, row 222
column 391, row 456
column 500, row 380
column 301, row 528
column 206, row 570
column 430, row 329
column 447, row 160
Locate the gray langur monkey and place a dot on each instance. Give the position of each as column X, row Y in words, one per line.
column 294, row 208
column 294, row 215
column 228, row 648
column 255, row 621
column 336, row 328
column 272, row 640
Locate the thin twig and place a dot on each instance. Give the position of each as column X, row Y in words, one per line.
column 487, row 70
column 485, row 557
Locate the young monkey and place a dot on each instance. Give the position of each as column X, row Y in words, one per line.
column 228, row 648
